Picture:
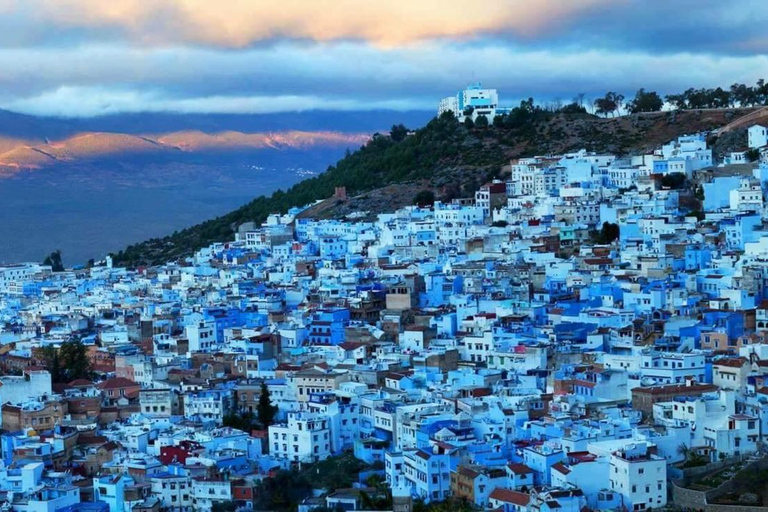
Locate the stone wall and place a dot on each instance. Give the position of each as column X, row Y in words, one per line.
column 691, row 499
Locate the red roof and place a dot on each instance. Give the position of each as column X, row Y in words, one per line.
column 509, row 496
column 561, row 468
column 117, row 383
column 736, row 362
column 519, row 469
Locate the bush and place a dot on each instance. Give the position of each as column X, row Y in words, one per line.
column 424, row 198
column 674, row 181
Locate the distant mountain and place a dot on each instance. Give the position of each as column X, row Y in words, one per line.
column 39, row 128
column 30, row 142
column 445, row 157
column 18, row 155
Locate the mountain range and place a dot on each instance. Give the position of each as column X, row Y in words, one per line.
column 29, row 142
column 16, row 154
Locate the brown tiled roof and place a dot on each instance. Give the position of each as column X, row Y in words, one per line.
column 116, row 383
column 561, row 468
column 509, row 496
column 675, row 389
column 736, row 362
column 519, row 469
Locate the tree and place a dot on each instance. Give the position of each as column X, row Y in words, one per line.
column 481, row 121
column 468, row 122
column 264, row 408
column 424, row 198
column 67, row 363
column 53, row 260
column 619, row 99
column 398, row 132
column 645, row 102
column 74, row 356
column 245, row 421
column 677, row 100
column 752, row 154
column 607, row 234
column 223, row 506
column 673, row 181
column 609, row 103
column 50, row 356
column 573, row 108
column 691, row 458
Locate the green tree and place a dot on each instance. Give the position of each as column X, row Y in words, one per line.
column 673, row 181
column 224, row 506
column 481, row 121
column 67, row 363
column 264, row 408
column 245, row 421
column 607, row 104
column 752, row 155
column 424, row 198
column 283, row 491
column 645, row 102
column 677, row 100
column 573, row 108
column 468, row 122
column 53, row 260
column 74, row 356
column 398, row 132
column 50, row 356
column 609, row 232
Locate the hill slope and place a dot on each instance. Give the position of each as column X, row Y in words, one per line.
column 444, row 156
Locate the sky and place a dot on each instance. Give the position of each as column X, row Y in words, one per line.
column 92, row 57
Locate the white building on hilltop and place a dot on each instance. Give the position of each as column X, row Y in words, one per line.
column 481, row 102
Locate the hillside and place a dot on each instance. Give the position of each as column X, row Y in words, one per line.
column 444, row 156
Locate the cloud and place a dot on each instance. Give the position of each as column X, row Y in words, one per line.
column 714, row 26
column 240, row 23
column 94, row 101
column 83, row 57
column 99, row 79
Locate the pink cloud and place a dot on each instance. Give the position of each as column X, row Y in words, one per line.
column 238, row 23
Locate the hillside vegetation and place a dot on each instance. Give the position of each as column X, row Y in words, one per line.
column 450, row 158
